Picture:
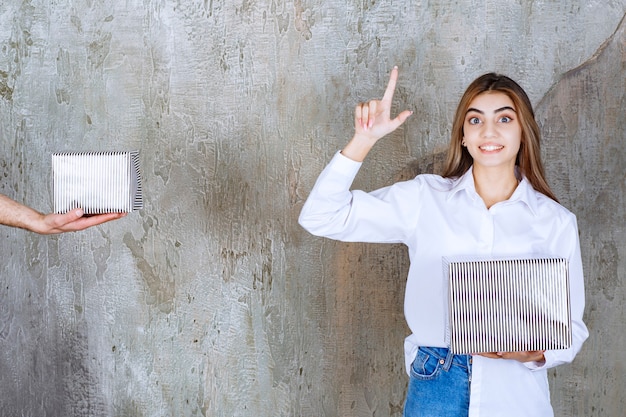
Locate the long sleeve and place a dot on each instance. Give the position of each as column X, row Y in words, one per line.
column 333, row 211
column 569, row 241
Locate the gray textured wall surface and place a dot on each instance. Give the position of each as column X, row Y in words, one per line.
column 212, row 301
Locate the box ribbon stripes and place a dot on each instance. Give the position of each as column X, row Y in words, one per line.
column 97, row 182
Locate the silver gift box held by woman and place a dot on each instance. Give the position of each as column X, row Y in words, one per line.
column 97, row 182
column 508, row 305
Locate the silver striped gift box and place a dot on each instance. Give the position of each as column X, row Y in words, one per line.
column 97, row 182
column 508, row 305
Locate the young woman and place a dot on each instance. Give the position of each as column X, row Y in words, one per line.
column 492, row 201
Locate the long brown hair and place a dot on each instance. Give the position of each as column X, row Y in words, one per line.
column 529, row 156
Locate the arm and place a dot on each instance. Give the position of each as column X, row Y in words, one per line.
column 331, row 210
column 15, row 214
column 568, row 242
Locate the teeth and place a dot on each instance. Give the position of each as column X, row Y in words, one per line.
column 491, row 148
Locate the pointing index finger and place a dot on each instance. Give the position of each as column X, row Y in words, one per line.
column 391, row 86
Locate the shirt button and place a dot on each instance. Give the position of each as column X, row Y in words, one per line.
column 441, row 361
column 470, row 361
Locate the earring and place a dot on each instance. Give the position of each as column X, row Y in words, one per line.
column 463, row 143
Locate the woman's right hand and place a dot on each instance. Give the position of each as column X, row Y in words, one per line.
column 372, row 121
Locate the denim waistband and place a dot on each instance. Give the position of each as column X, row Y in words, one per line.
column 449, row 358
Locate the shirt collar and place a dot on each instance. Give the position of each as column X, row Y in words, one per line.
column 524, row 192
column 464, row 182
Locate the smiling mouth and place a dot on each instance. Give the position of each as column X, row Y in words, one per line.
column 490, row 148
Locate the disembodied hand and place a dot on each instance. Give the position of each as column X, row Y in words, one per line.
column 73, row 221
column 15, row 214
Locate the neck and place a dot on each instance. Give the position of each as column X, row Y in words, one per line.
column 494, row 185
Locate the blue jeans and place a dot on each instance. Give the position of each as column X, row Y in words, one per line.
column 439, row 384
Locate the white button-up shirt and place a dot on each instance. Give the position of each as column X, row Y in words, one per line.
column 440, row 217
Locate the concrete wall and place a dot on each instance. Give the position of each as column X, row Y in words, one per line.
column 212, row 301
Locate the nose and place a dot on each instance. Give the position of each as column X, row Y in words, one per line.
column 488, row 130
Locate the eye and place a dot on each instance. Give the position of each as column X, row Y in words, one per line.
column 506, row 119
column 473, row 120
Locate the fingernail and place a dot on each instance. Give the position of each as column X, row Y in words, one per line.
column 79, row 213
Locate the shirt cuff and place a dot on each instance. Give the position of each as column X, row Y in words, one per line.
column 344, row 165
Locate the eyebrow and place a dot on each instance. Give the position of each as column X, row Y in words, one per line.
column 501, row 109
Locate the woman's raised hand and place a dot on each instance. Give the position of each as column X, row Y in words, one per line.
column 372, row 121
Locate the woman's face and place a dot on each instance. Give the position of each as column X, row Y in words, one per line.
column 491, row 131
